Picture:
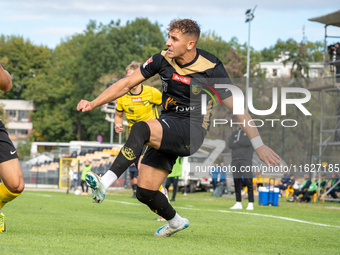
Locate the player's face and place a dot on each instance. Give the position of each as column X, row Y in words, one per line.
column 177, row 44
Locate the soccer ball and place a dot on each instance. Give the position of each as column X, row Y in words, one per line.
column 77, row 192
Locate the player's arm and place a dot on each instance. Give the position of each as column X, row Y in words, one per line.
column 115, row 91
column 266, row 154
column 5, row 80
column 118, row 122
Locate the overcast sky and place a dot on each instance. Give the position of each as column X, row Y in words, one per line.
column 46, row 22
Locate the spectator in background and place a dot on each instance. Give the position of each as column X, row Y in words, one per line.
column 173, row 178
column 334, row 54
column 285, row 183
column 222, row 173
column 242, row 155
column 304, row 187
column 334, row 180
column 313, row 188
column 214, row 175
column 87, row 167
column 257, row 181
column 285, row 177
column 73, row 178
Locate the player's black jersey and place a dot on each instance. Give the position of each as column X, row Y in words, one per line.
column 184, row 86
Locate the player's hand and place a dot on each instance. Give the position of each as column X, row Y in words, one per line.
column 85, row 106
column 118, row 128
column 268, row 156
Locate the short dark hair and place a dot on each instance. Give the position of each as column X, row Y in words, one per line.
column 186, row 26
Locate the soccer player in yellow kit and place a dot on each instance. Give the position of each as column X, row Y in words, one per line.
column 10, row 173
column 139, row 104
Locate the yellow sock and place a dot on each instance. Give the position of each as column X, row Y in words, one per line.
column 160, row 188
column 5, row 195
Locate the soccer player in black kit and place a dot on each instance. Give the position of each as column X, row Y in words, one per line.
column 10, row 172
column 186, row 74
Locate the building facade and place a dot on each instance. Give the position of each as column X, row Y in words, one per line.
column 277, row 69
column 18, row 122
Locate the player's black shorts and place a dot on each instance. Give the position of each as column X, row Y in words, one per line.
column 181, row 137
column 7, row 149
column 133, row 174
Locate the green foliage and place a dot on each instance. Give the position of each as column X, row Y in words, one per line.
column 215, row 45
column 313, row 51
column 24, row 61
column 77, row 65
column 56, row 80
column 24, row 149
column 3, row 115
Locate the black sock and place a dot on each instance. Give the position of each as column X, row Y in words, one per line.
column 134, row 188
column 157, row 202
column 139, row 135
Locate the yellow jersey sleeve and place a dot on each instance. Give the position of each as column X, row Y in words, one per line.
column 119, row 105
column 157, row 96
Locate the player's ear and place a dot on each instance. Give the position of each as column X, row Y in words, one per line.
column 191, row 44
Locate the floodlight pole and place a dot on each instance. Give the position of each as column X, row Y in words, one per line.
column 249, row 18
column 111, row 130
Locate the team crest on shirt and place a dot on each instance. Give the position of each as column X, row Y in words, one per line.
column 196, row 89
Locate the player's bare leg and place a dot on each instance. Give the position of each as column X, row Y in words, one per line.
column 12, row 185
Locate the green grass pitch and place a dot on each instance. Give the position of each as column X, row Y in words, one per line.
column 55, row 223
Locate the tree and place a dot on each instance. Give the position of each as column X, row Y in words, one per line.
column 77, row 67
column 234, row 66
column 24, row 61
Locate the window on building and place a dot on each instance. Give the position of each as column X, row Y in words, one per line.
column 274, row 72
column 11, row 131
column 23, row 131
column 11, row 114
column 23, row 116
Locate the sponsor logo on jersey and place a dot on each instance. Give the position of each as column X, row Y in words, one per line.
column 185, row 108
column 182, row 79
column 128, row 153
column 136, row 99
column 147, row 62
column 170, row 101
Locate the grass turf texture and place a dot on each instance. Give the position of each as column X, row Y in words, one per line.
column 56, row 223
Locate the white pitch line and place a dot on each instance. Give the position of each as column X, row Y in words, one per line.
column 122, row 202
column 222, row 211
column 38, row 194
column 245, row 213
column 263, row 215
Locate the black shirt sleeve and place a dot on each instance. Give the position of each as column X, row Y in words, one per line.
column 151, row 66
